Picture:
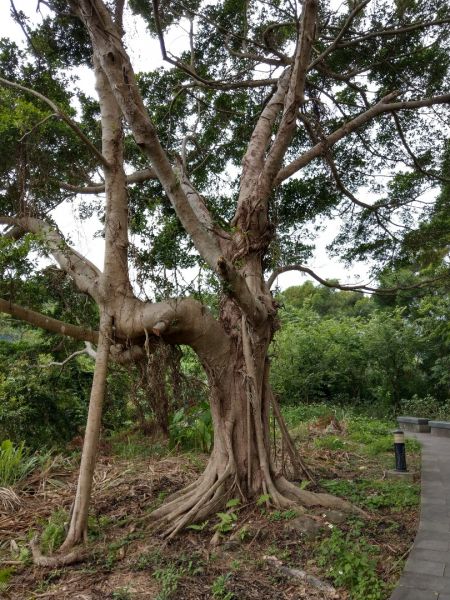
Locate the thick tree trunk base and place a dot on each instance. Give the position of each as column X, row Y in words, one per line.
column 218, row 484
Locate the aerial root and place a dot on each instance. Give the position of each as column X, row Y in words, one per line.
column 58, row 560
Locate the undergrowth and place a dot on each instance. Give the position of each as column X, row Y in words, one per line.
column 371, row 494
column 351, row 562
column 15, row 463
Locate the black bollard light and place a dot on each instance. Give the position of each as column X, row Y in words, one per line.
column 399, row 449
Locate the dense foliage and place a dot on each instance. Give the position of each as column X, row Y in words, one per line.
column 337, row 347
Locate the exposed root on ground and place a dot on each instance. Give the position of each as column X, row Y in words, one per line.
column 215, row 487
column 58, row 560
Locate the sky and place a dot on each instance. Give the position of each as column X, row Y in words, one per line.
column 145, row 55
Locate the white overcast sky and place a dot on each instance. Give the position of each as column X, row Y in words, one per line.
column 145, row 55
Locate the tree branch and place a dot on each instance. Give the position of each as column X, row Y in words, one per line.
column 98, row 188
column 84, row 273
column 88, row 349
column 390, row 32
column 73, row 126
column 358, row 8
column 295, row 93
column 361, row 288
column 383, row 106
column 44, row 322
column 412, row 155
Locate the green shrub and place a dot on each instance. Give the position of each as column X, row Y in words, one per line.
column 192, row 429
column 427, row 407
column 15, row 463
column 351, row 564
column 54, row 531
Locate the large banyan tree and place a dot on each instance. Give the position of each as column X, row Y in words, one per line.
column 277, row 114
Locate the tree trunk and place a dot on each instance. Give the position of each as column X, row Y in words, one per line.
column 240, row 465
column 78, row 525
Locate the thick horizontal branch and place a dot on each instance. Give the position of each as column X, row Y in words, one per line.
column 98, row 188
column 67, row 120
column 383, row 106
column 44, row 322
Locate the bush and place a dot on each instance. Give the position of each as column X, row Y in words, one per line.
column 427, row 407
column 191, row 429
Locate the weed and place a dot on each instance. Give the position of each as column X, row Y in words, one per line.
column 5, row 576
column 219, row 588
column 168, row 577
column 154, row 558
column 375, row 494
column 136, row 446
column 54, row 531
column 282, row 515
column 122, row 593
column 274, row 550
column 330, row 442
column 15, row 463
column 350, row 563
column 113, row 549
column 191, row 429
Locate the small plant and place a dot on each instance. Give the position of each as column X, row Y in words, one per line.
column 263, row 499
column 219, row 588
column 54, row 531
column 15, row 463
column 122, row 593
column 350, row 564
column 198, row 526
column 226, row 521
column 282, row 515
column 168, row 577
column 5, row 576
column 191, row 429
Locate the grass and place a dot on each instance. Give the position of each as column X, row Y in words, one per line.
column 15, row 463
column 371, row 494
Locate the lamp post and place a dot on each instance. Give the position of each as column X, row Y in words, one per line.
column 399, row 449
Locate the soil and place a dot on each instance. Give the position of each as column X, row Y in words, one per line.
column 128, row 561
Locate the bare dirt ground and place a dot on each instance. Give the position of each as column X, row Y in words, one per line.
column 128, row 561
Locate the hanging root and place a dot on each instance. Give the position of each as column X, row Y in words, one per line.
column 59, row 560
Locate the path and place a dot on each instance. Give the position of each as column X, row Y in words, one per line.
column 427, row 571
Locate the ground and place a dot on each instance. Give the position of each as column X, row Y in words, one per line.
column 352, row 555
